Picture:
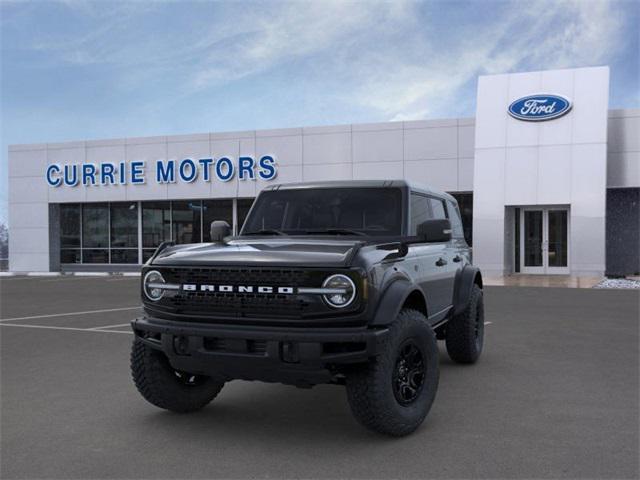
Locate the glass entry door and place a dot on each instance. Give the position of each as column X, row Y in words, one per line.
column 544, row 240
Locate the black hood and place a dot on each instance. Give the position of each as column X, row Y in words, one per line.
column 272, row 251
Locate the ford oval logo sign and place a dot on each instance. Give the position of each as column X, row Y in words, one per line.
column 536, row 108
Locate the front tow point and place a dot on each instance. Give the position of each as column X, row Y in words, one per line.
column 289, row 352
column 181, row 345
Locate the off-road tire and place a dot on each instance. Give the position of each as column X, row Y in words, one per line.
column 161, row 385
column 465, row 332
column 370, row 388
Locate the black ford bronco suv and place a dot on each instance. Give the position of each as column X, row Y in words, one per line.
column 350, row 283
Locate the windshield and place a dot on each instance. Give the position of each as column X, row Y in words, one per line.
column 330, row 211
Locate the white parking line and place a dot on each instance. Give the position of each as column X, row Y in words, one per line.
column 488, row 323
column 49, row 327
column 88, row 312
column 111, row 326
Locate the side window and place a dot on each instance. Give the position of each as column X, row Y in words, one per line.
column 437, row 207
column 456, row 221
column 420, row 211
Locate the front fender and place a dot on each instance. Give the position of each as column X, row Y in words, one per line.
column 391, row 301
column 465, row 279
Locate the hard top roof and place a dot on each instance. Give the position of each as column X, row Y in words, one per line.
column 360, row 184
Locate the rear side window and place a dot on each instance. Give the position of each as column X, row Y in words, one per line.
column 437, row 208
column 455, row 219
column 420, row 211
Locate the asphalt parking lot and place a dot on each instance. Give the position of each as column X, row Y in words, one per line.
column 554, row 395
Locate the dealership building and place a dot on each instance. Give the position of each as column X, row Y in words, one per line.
column 546, row 175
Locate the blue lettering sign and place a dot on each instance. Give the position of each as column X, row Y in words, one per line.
column 206, row 168
column 223, row 164
column 51, row 180
column 267, row 168
column 165, row 174
column 137, row 172
column 245, row 168
column 106, row 173
column 166, row 171
column 188, row 174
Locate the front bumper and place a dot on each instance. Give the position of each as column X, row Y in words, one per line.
column 300, row 356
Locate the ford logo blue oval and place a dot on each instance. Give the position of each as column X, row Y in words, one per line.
column 536, row 108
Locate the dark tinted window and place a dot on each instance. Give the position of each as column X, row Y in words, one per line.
column 373, row 211
column 420, row 211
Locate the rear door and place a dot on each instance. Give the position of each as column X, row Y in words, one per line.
column 449, row 255
column 429, row 263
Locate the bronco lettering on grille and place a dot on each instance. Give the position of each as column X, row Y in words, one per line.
column 192, row 287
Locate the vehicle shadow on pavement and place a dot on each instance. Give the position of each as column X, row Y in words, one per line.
column 280, row 413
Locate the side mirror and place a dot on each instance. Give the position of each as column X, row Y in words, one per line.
column 219, row 230
column 436, row 230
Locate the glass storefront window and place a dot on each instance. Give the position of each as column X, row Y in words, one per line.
column 156, row 223
column 124, row 255
column 91, row 255
column 108, row 232
column 244, row 205
column 95, row 225
column 215, row 210
column 70, row 255
column 186, row 218
column 124, row 225
column 69, row 226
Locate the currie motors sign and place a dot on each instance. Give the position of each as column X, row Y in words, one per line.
column 187, row 170
column 540, row 107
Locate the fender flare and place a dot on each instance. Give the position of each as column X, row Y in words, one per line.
column 465, row 279
column 391, row 301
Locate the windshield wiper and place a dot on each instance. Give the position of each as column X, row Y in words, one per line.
column 268, row 231
column 336, row 231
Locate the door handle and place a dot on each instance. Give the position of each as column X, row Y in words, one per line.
column 441, row 262
column 457, row 258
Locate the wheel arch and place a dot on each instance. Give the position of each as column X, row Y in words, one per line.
column 400, row 294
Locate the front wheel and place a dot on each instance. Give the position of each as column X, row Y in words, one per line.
column 163, row 386
column 394, row 393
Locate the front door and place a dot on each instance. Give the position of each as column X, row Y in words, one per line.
column 544, row 240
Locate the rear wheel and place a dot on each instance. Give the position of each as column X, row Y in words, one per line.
column 465, row 332
column 394, row 393
column 163, row 386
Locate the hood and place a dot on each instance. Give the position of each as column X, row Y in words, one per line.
column 289, row 251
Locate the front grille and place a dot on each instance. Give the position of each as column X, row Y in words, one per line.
column 199, row 303
column 237, row 276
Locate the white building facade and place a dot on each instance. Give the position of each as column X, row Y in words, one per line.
column 550, row 186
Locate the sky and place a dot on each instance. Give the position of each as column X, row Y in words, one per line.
column 76, row 70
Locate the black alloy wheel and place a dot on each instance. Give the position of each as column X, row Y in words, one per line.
column 408, row 374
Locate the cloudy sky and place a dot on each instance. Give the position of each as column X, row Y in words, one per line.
column 74, row 70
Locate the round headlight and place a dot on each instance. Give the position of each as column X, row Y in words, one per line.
column 343, row 291
column 151, row 285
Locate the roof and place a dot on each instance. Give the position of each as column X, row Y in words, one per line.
column 360, row 184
